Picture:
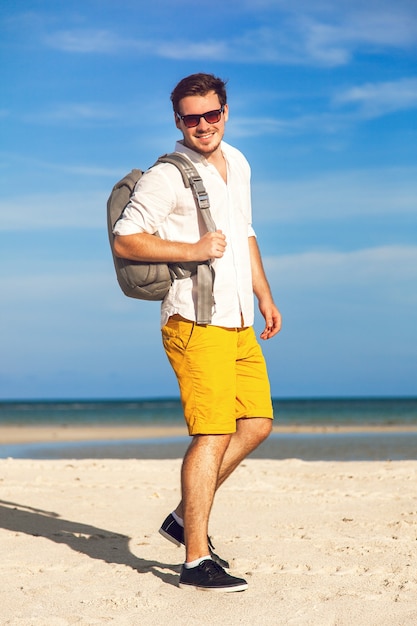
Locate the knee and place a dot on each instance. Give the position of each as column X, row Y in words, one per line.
column 264, row 429
column 255, row 429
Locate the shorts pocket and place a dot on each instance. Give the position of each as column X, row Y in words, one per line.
column 176, row 334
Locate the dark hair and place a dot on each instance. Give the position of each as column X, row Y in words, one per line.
column 198, row 85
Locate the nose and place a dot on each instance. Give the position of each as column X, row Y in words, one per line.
column 202, row 123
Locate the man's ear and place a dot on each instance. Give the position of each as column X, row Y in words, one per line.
column 226, row 112
column 177, row 121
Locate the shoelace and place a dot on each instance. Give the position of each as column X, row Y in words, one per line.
column 211, row 568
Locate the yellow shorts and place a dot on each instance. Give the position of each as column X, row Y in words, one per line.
column 221, row 373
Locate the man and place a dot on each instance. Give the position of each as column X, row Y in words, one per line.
column 219, row 366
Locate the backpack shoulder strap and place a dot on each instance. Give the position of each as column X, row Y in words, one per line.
column 192, row 179
column 205, row 273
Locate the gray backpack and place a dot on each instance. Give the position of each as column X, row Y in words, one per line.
column 152, row 281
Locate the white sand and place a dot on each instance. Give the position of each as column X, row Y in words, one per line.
column 319, row 543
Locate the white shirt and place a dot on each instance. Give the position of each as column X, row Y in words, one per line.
column 162, row 203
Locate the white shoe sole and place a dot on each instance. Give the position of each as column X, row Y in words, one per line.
column 170, row 538
column 241, row 587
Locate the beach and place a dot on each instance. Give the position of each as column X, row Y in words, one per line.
column 319, row 542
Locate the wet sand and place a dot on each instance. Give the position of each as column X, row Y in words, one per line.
column 170, row 442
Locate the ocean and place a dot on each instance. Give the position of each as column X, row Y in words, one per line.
column 366, row 414
column 167, row 411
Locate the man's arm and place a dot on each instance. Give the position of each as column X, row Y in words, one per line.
column 263, row 293
column 148, row 248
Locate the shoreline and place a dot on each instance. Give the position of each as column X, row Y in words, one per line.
column 55, row 433
column 324, row 443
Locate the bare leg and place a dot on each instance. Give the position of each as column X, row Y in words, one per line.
column 250, row 433
column 199, row 478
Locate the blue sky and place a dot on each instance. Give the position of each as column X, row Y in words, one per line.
column 323, row 102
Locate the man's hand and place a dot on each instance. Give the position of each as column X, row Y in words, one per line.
column 273, row 320
column 210, row 246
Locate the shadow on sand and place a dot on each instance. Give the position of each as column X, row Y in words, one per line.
column 97, row 543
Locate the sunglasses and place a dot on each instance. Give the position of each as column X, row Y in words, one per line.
column 211, row 117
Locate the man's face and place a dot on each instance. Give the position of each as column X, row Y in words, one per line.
column 204, row 138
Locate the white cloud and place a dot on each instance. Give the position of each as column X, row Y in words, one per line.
column 65, row 113
column 317, row 34
column 334, row 41
column 83, row 209
column 386, row 267
column 86, row 41
column 322, row 123
column 378, row 99
column 36, row 165
column 240, row 126
column 346, row 108
column 182, row 49
column 335, row 195
column 295, row 46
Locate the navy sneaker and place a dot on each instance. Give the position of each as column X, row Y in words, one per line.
column 172, row 531
column 209, row 576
